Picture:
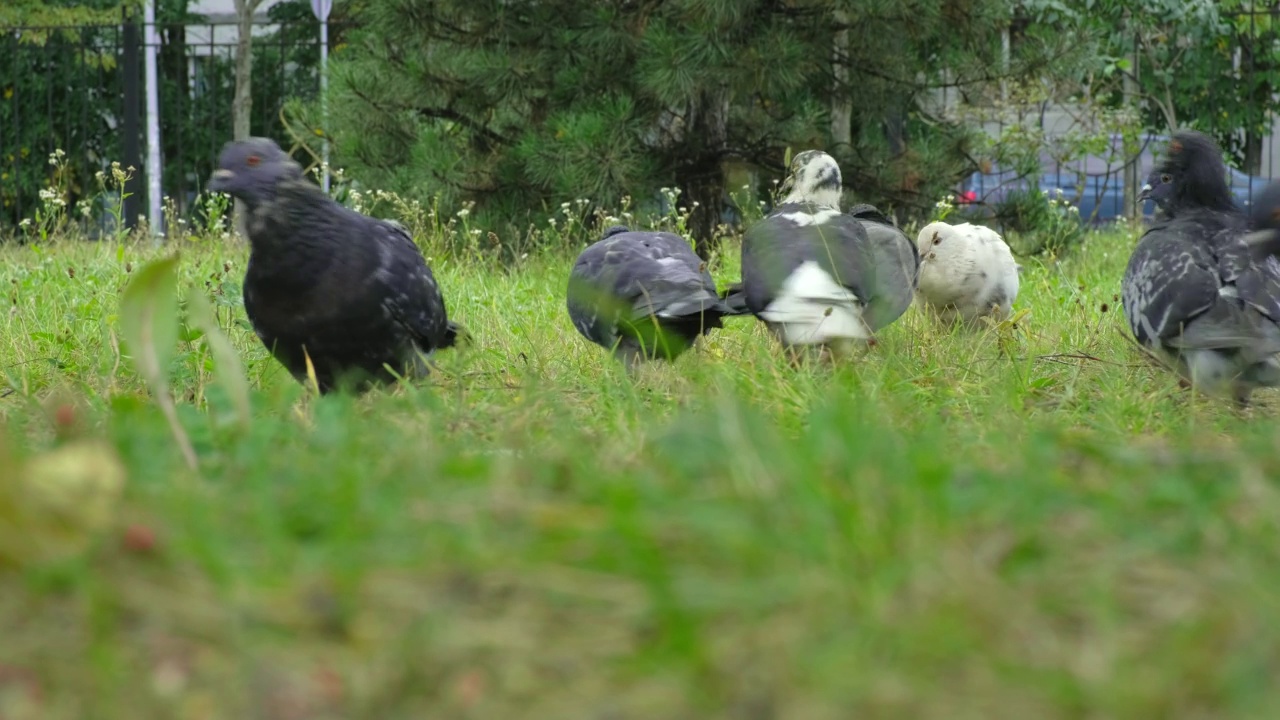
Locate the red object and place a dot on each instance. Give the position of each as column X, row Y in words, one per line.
column 139, row 538
column 968, row 196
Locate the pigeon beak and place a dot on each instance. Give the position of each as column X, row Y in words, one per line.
column 1145, row 193
column 220, row 179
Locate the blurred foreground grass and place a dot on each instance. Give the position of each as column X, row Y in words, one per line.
column 1026, row 523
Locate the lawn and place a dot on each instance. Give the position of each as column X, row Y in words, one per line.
column 1028, row 522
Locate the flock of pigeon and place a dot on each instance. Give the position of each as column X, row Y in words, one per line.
column 349, row 300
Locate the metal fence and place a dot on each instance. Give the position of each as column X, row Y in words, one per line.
column 1095, row 184
column 80, row 90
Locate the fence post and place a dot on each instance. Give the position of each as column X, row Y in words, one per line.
column 1132, row 175
column 132, row 135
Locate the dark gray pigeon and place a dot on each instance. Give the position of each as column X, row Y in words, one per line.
column 1263, row 215
column 1264, row 224
column 352, row 291
column 820, row 277
column 643, row 295
column 1193, row 291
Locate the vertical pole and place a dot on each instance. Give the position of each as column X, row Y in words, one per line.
column 154, row 192
column 132, row 153
column 324, row 97
column 1131, row 171
column 1004, row 64
column 841, row 103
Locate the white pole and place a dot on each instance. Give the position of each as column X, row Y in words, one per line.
column 1004, row 64
column 324, row 96
column 152, row 45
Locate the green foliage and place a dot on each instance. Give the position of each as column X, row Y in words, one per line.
column 45, row 17
column 149, row 325
column 228, row 369
column 64, row 87
column 54, row 96
column 520, row 109
column 1039, row 222
column 1188, row 74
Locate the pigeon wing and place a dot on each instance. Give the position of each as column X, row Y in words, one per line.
column 796, row 233
column 895, row 271
column 668, row 279
column 635, row 275
column 408, row 287
column 1170, row 280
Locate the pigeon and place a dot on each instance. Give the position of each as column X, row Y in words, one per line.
column 966, row 271
column 1264, row 223
column 351, row 293
column 1263, row 215
column 818, row 277
column 643, row 295
column 1193, row 292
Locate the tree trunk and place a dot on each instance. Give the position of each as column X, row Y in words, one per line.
column 1252, row 152
column 703, row 183
column 242, row 104
column 841, row 103
column 702, row 179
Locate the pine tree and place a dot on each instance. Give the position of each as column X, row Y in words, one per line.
column 522, row 104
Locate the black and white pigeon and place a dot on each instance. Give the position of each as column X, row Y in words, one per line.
column 817, row 276
column 643, row 295
column 352, row 293
column 1194, row 293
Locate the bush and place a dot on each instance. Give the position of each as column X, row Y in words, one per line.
column 1039, row 222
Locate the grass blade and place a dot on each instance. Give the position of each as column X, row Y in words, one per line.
column 149, row 324
column 230, row 370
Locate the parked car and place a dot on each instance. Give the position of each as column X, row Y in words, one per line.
column 1094, row 184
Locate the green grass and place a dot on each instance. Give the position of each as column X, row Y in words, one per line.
column 1026, row 524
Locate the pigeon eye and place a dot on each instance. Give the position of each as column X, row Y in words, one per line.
column 1166, row 178
column 253, row 161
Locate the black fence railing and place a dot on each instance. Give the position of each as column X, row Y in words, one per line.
column 81, row 90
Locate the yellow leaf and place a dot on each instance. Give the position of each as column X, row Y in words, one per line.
column 53, row 505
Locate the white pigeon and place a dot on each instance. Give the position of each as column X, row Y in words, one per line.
column 966, row 271
column 817, row 276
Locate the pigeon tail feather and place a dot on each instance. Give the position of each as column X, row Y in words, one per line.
column 813, row 308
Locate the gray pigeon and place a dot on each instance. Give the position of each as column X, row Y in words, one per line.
column 643, row 295
column 820, row 277
column 1264, row 223
column 1193, row 292
column 351, row 292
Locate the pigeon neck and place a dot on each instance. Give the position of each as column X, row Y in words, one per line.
column 823, row 198
column 1218, row 198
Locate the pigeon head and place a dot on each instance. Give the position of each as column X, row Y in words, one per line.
column 1195, row 176
column 251, row 169
column 813, row 177
column 1159, row 189
column 946, row 245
